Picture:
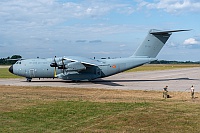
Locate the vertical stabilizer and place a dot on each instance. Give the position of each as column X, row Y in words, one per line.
column 153, row 43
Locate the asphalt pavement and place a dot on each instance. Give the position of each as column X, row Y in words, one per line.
column 176, row 79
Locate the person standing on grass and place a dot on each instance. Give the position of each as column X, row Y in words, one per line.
column 165, row 92
column 192, row 91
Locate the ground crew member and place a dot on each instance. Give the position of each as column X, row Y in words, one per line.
column 165, row 92
column 192, row 91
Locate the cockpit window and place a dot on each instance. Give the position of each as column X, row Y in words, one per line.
column 18, row 62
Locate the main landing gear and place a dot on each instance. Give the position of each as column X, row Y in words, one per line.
column 28, row 79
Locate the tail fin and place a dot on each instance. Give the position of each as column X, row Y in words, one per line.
column 153, row 43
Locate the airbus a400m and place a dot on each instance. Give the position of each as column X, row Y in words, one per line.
column 79, row 68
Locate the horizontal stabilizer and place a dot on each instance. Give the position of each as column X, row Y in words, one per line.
column 153, row 31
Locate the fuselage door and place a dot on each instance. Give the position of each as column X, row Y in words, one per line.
column 32, row 73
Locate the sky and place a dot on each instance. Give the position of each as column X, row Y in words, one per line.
column 97, row 28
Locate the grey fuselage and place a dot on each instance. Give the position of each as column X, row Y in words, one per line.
column 40, row 68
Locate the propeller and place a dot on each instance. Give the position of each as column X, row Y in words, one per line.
column 62, row 66
column 54, row 64
column 59, row 65
column 55, row 67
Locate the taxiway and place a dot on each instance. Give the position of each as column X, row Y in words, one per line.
column 176, row 79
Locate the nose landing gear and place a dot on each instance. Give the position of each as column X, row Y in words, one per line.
column 28, row 79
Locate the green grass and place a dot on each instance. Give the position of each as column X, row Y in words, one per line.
column 85, row 116
column 66, row 116
column 57, row 109
column 4, row 73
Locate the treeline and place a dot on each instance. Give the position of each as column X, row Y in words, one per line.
column 10, row 60
column 174, row 62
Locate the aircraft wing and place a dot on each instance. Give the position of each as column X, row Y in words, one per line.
column 84, row 60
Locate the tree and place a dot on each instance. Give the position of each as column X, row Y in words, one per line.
column 10, row 60
column 16, row 57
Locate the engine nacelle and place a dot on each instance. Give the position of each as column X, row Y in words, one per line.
column 61, row 64
column 54, row 64
column 75, row 66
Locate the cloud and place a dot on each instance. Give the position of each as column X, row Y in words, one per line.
column 104, row 52
column 122, row 45
column 172, row 44
column 81, row 41
column 45, row 18
column 172, row 6
column 95, row 41
column 60, row 25
column 49, row 12
column 191, row 41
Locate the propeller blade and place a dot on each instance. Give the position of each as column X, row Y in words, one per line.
column 55, row 66
column 55, row 72
column 63, row 65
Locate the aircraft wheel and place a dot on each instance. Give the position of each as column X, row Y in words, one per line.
column 28, row 79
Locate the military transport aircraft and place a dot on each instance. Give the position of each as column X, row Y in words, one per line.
column 79, row 68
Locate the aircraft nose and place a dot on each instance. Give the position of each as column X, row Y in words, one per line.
column 11, row 69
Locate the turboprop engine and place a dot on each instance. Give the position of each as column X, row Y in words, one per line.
column 74, row 66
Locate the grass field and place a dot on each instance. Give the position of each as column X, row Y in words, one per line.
column 4, row 73
column 56, row 109
column 53, row 109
